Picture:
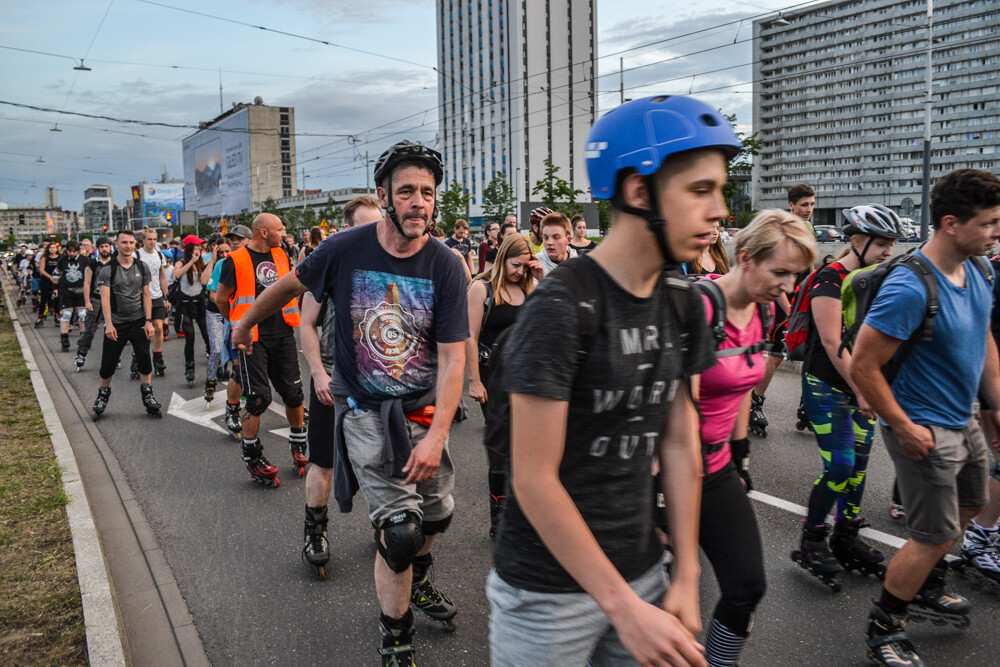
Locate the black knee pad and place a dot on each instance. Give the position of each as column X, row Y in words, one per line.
column 257, row 404
column 436, row 527
column 294, row 397
column 403, row 537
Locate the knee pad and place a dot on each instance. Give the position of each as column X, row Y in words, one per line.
column 294, row 397
column 436, row 527
column 995, row 470
column 66, row 315
column 81, row 314
column 403, row 538
column 257, row 404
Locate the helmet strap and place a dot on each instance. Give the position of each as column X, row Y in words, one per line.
column 861, row 255
column 654, row 221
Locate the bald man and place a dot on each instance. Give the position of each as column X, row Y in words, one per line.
column 274, row 359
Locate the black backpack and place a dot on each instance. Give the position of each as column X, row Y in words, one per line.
column 581, row 275
column 711, row 289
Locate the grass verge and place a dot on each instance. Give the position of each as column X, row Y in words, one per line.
column 41, row 616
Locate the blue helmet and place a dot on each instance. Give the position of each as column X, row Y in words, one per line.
column 641, row 134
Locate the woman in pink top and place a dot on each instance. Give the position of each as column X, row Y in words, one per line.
column 769, row 253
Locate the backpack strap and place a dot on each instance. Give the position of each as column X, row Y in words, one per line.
column 984, row 268
column 717, row 299
column 488, row 304
column 582, row 280
column 925, row 272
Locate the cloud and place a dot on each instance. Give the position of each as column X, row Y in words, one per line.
column 331, row 12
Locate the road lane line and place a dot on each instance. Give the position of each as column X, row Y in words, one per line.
column 788, row 506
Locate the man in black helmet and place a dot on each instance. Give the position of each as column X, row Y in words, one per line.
column 401, row 323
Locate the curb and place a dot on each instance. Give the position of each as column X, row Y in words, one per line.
column 104, row 645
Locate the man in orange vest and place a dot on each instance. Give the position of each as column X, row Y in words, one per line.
column 245, row 274
column 401, row 320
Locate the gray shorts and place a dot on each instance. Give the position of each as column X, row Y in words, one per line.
column 952, row 475
column 431, row 500
column 528, row 628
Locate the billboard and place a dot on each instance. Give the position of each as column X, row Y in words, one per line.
column 158, row 199
column 217, row 167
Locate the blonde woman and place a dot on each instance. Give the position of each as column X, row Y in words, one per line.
column 494, row 301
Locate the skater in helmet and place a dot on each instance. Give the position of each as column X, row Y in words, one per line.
column 632, row 327
column 127, row 307
column 399, row 359
column 769, row 253
column 926, row 419
column 839, row 414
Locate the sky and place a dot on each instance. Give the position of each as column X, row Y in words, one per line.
column 158, row 62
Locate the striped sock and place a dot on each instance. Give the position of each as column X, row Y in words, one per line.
column 722, row 646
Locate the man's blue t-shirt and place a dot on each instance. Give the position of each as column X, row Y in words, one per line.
column 390, row 312
column 938, row 382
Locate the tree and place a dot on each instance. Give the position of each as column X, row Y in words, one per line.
column 739, row 206
column 604, row 215
column 557, row 193
column 498, row 199
column 453, row 204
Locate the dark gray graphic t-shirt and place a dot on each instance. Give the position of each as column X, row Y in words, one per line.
column 617, row 412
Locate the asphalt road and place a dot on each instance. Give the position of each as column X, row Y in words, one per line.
column 234, row 546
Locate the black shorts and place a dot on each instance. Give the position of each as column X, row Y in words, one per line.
column 159, row 310
column 274, row 361
column 68, row 299
column 322, row 422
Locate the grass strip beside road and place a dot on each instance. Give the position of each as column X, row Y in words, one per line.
column 41, row 615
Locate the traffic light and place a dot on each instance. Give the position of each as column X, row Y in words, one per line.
column 105, row 228
column 732, row 219
column 170, row 216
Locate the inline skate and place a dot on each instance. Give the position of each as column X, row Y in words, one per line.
column 397, row 641
column 64, row 342
column 149, row 401
column 159, row 368
column 980, row 560
column 234, row 424
column 189, row 373
column 802, row 418
column 758, row 422
column 316, row 550
column 814, row 555
column 297, row 446
column 81, row 359
column 209, row 393
column 261, row 470
column 133, row 371
column 852, row 553
column 888, row 644
column 101, row 403
column 933, row 603
column 425, row 597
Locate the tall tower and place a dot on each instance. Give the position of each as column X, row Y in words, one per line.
column 517, row 87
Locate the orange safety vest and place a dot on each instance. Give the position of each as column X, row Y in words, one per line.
column 246, row 287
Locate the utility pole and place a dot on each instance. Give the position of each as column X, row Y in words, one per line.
column 621, row 81
column 925, row 197
column 220, row 91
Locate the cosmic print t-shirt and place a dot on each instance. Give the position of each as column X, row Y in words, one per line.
column 391, row 312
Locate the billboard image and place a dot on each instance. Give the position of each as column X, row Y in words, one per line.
column 160, row 198
column 217, row 167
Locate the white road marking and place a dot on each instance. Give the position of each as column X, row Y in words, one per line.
column 788, row 506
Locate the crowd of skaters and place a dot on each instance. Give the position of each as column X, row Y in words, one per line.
column 646, row 395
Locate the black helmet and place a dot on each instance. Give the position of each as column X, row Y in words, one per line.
column 873, row 220
column 409, row 151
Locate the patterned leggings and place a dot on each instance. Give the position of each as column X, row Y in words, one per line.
column 213, row 322
column 844, row 437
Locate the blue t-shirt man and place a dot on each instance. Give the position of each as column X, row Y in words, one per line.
column 938, row 382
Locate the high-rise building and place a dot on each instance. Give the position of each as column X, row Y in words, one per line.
column 97, row 207
column 517, row 88
column 240, row 159
column 51, row 197
column 839, row 92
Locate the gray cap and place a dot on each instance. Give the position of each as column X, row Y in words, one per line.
column 241, row 231
column 101, row 240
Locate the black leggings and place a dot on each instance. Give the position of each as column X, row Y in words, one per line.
column 193, row 310
column 730, row 538
column 45, row 297
column 128, row 332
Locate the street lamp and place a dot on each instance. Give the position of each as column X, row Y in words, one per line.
column 81, row 67
column 925, row 197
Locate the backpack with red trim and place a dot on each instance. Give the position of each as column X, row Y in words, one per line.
column 800, row 321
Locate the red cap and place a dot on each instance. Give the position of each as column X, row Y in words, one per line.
column 191, row 238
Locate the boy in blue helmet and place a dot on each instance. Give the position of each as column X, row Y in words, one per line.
column 578, row 575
